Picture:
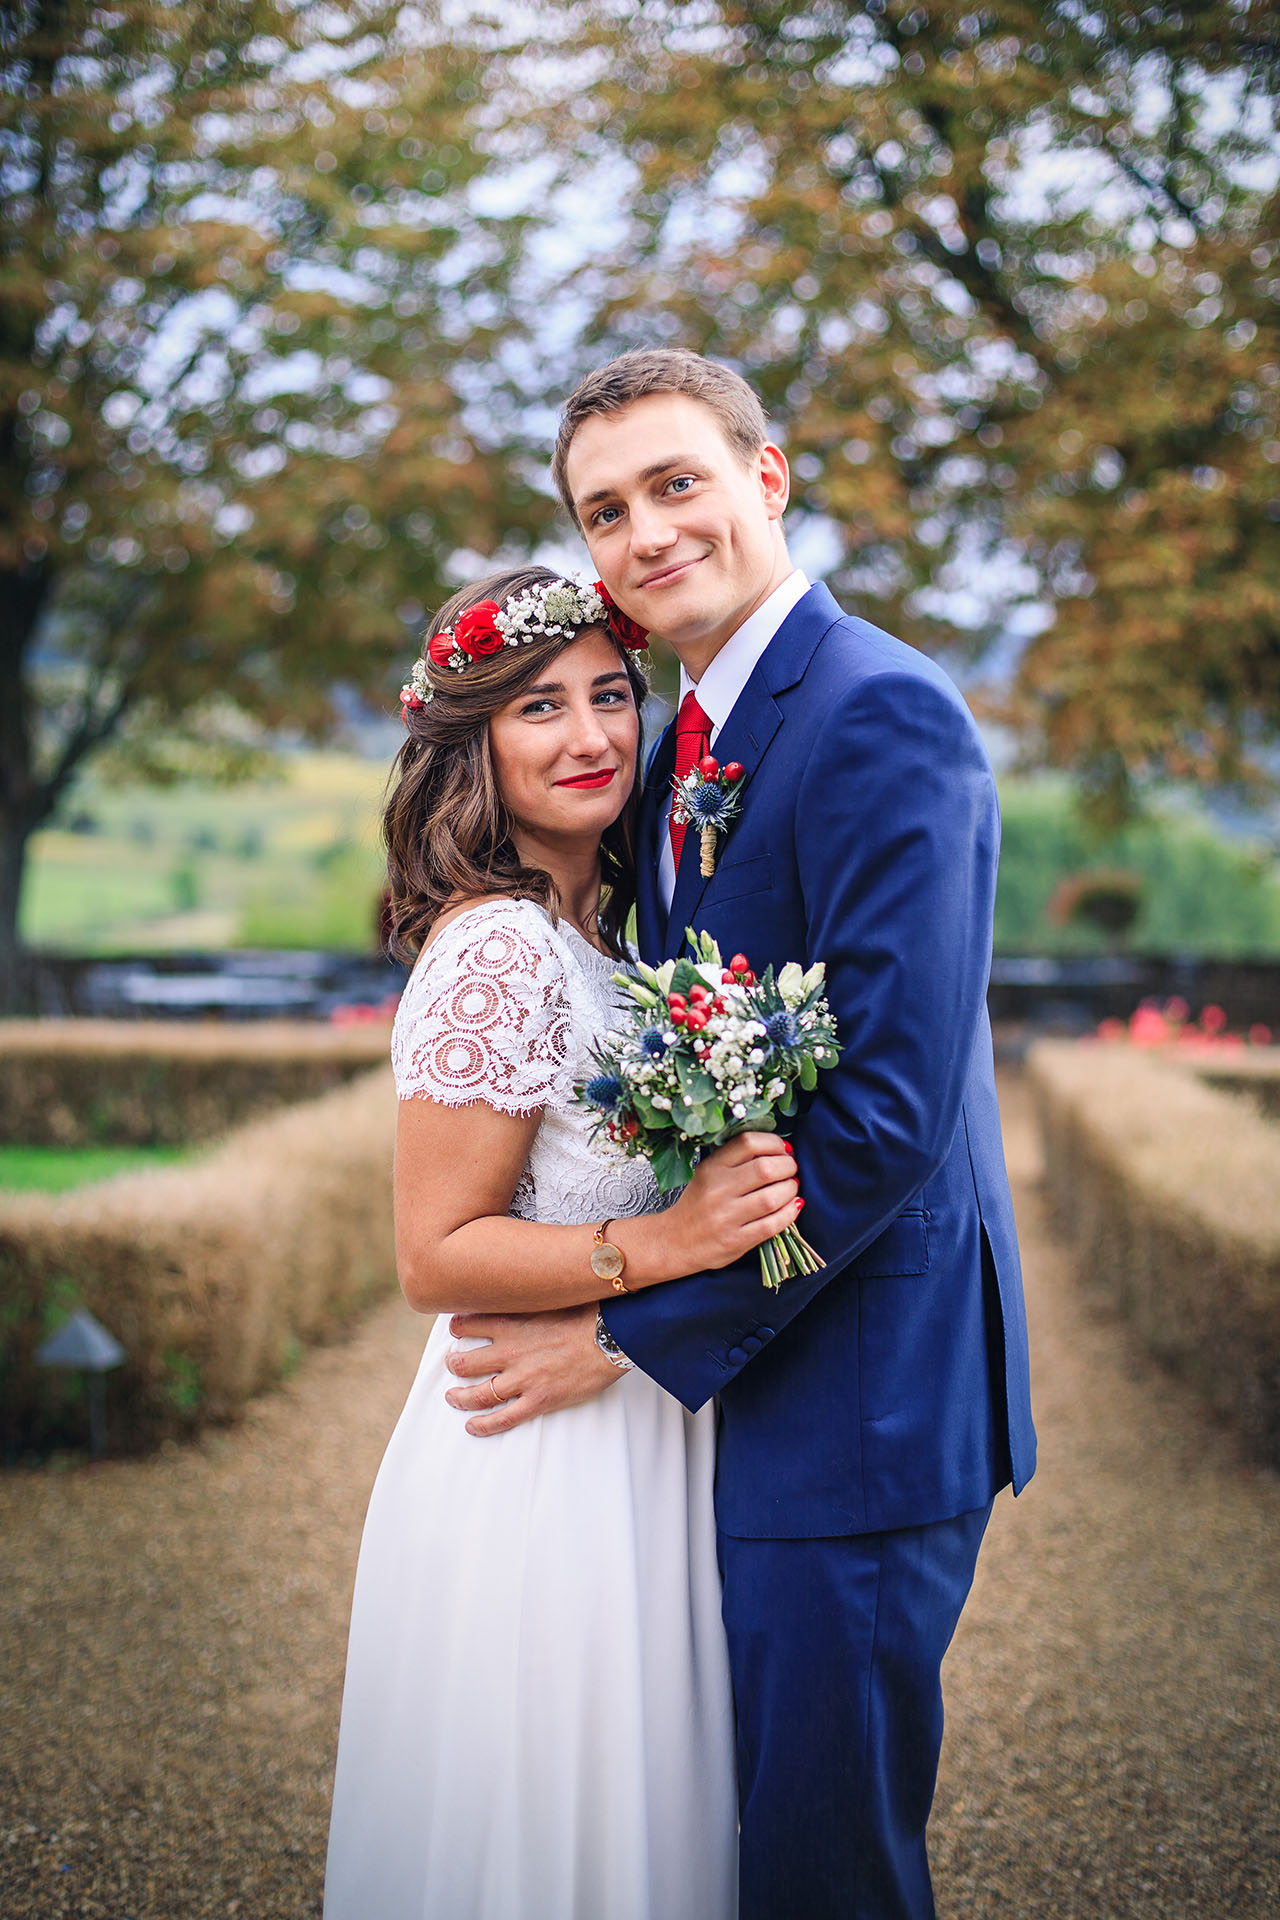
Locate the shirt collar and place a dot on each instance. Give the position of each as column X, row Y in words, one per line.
column 733, row 666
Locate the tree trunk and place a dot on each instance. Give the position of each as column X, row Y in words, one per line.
column 17, row 977
column 23, row 594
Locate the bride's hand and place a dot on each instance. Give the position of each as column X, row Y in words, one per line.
column 740, row 1195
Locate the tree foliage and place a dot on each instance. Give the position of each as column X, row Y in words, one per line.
column 1007, row 276
column 245, row 304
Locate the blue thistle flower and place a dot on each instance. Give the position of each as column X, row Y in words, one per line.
column 652, row 1044
column 605, row 1091
column 708, row 805
column 782, row 1029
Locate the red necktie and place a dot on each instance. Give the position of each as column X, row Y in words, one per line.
column 693, row 741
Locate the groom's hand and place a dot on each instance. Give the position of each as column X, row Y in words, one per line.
column 537, row 1363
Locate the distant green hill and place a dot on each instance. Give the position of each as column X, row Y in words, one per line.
column 293, row 862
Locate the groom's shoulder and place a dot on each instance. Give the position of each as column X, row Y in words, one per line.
column 855, row 659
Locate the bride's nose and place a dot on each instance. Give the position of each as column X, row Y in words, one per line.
column 587, row 737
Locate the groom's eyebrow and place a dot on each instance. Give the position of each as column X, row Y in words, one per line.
column 557, row 686
column 646, row 474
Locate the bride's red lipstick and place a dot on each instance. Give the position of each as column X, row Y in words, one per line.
column 601, row 779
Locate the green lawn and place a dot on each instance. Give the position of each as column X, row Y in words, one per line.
column 54, row 1169
column 293, row 862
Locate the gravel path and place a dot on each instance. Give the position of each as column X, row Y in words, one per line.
column 173, row 1637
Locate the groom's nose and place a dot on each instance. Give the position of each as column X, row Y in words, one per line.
column 651, row 530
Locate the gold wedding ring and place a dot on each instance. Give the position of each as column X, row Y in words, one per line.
column 498, row 1399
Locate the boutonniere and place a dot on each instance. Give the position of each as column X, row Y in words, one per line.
column 708, row 798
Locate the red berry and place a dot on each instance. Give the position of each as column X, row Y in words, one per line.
column 695, row 1019
column 733, row 770
column 748, row 978
column 717, row 1005
column 697, row 995
column 739, row 963
column 708, row 766
column 726, row 978
column 630, row 1127
column 676, row 1000
column 679, row 1015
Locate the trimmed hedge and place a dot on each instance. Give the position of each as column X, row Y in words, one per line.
column 1169, row 1189
column 212, row 1275
column 74, row 1083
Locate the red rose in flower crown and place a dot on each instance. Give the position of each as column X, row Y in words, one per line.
column 632, row 635
column 476, row 631
column 440, row 648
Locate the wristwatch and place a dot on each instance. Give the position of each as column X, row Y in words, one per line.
column 609, row 1346
column 607, row 1261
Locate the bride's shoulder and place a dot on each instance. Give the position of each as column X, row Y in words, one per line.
column 492, row 927
column 486, row 1012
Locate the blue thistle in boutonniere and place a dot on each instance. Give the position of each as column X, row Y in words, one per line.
column 708, row 799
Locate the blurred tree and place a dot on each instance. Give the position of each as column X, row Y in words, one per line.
column 247, row 306
column 1200, row 890
column 1007, row 275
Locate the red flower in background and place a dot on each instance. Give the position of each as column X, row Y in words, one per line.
column 632, row 635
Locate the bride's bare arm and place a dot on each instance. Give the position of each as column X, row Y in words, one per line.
column 457, row 1168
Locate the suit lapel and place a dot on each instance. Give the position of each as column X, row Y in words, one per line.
column 651, row 917
column 745, row 737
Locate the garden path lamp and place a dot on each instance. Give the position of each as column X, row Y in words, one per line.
column 84, row 1343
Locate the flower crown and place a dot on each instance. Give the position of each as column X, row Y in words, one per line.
column 551, row 610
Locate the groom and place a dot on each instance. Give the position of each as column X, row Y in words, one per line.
column 869, row 1413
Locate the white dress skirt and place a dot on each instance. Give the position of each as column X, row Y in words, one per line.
column 536, row 1721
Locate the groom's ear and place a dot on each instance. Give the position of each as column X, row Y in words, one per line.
column 775, row 479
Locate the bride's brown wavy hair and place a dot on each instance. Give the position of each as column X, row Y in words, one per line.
column 448, row 833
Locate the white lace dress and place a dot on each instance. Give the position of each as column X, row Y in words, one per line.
column 536, row 1723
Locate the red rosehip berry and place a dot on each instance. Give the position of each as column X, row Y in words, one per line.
column 630, row 1127
column 733, row 770
column 748, row 978
column 695, row 1019
column 708, row 766
column 676, row 1000
column 739, row 963
column 679, row 1015
column 697, row 995
column 726, row 978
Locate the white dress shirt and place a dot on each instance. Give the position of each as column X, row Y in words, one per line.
column 720, row 686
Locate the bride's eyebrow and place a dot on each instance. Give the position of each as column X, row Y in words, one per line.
column 557, row 686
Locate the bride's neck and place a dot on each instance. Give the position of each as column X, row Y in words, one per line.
column 574, row 866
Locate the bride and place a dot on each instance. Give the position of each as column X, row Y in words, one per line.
column 536, row 1722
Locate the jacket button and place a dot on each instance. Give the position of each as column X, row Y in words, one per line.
column 751, row 1344
column 736, row 1356
column 767, row 1332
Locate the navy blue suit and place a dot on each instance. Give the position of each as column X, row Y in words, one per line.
column 868, row 1414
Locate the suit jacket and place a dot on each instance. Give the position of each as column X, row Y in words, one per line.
column 892, row 1388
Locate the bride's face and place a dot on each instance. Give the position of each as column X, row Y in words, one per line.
column 564, row 752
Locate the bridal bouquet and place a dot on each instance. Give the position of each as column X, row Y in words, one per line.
column 710, row 1052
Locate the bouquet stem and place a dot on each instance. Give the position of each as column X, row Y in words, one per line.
column 785, row 1256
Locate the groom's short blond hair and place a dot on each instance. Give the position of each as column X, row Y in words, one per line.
column 646, row 370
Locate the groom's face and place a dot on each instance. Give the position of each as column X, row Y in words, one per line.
column 685, row 534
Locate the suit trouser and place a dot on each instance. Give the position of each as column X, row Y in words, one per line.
column 836, row 1647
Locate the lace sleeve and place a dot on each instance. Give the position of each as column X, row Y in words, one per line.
column 486, row 1015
